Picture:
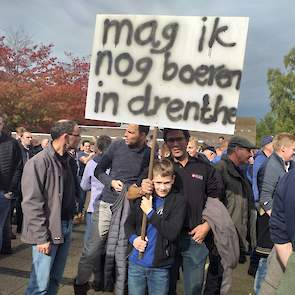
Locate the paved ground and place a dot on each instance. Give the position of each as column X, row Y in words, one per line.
column 15, row 270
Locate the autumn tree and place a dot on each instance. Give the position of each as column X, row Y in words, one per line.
column 282, row 99
column 36, row 88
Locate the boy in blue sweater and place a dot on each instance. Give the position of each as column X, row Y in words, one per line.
column 165, row 212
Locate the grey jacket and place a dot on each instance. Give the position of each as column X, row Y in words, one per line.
column 42, row 189
column 117, row 247
column 225, row 238
column 268, row 178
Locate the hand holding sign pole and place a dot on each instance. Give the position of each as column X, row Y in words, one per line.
column 150, row 176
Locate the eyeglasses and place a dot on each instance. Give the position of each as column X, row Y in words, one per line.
column 175, row 139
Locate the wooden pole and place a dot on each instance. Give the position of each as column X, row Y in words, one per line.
column 150, row 176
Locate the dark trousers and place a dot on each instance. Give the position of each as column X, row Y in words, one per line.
column 6, row 242
column 19, row 213
column 214, row 275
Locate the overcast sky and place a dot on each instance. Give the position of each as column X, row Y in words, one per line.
column 69, row 25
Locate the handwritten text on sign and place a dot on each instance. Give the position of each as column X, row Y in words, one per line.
column 167, row 71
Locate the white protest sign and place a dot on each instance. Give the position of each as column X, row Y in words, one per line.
column 168, row 71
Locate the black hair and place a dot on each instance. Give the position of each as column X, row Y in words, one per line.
column 85, row 141
column 144, row 129
column 61, row 127
column 103, row 142
column 167, row 130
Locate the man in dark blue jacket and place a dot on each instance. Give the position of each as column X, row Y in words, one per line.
column 282, row 229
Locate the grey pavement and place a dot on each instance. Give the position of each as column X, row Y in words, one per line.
column 15, row 270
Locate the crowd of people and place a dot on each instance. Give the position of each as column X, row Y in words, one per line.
column 197, row 203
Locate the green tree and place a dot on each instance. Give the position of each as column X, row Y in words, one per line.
column 282, row 99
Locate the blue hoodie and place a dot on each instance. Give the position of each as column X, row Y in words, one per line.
column 259, row 160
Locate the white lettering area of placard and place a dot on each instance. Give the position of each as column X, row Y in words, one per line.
column 167, row 71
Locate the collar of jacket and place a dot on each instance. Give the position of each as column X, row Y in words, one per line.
column 52, row 152
column 190, row 159
column 279, row 160
column 231, row 167
column 3, row 137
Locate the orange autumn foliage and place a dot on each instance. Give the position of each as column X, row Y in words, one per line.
column 37, row 89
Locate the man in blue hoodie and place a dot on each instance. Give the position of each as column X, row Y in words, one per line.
column 261, row 156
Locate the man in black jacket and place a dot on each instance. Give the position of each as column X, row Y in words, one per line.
column 198, row 181
column 10, row 174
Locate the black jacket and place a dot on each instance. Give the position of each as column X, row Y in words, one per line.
column 10, row 164
column 168, row 226
column 198, row 180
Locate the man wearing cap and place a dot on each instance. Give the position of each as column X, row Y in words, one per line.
column 237, row 189
column 208, row 154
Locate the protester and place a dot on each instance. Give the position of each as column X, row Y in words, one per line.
column 26, row 145
column 19, row 131
column 10, row 174
column 165, row 211
column 209, row 152
column 282, row 228
column 126, row 160
column 237, row 190
column 220, row 139
column 164, row 151
column 260, row 157
column 268, row 176
column 198, row 181
column 84, row 156
column 25, row 141
column 193, row 146
column 44, row 143
column 90, row 183
column 221, row 150
column 48, row 188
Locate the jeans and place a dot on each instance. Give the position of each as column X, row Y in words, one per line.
column 47, row 270
column 4, row 214
column 82, row 197
column 94, row 247
column 156, row 280
column 87, row 234
column 193, row 263
column 260, row 274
